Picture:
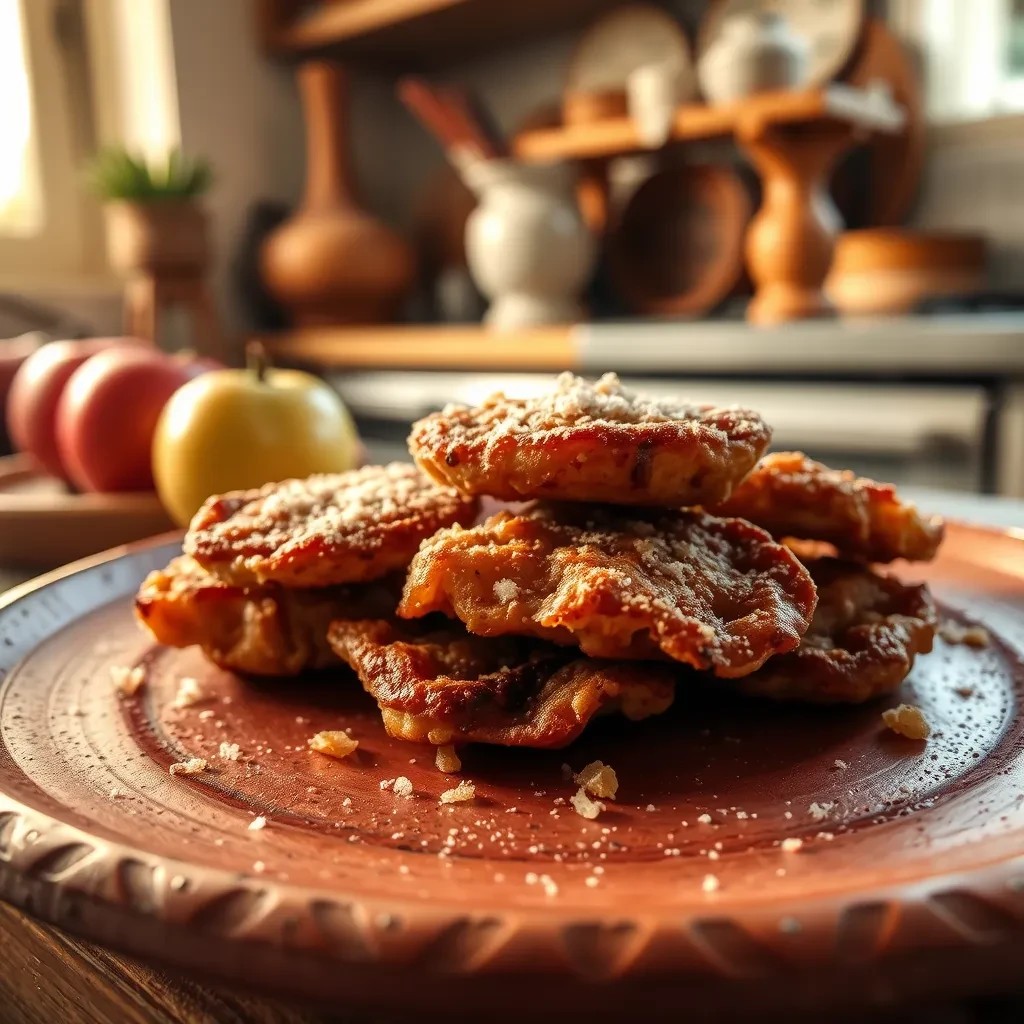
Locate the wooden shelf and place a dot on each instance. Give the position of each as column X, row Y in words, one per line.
column 699, row 121
column 415, row 33
column 433, row 347
column 920, row 347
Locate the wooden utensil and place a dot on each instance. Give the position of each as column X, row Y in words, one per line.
column 454, row 118
column 43, row 525
column 907, row 871
column 889, row 271
column 677, row 248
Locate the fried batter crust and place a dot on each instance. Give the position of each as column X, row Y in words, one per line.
column 436, row 683
column 717, row 594
column 263, row 630
column 790, row 495
column 591, row 442
column 324, row 530
column 865, row 634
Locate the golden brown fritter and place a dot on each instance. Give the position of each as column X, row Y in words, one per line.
column 792, row 496
column 717, row 594
column 591, row 442
column 325, row 530
column 436, row 683
column 264, row 630
column 862, row 641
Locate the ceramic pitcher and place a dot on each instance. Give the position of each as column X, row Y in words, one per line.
column 527, row 247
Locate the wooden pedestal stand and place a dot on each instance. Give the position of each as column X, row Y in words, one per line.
column 792, row 138
column 161, row 248
column 147, row 294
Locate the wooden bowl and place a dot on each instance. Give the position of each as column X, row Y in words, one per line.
column 885, row 172
column 43, row 525
column 677, row 248
column 889, row 271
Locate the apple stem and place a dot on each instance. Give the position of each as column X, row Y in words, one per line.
column 256, row 360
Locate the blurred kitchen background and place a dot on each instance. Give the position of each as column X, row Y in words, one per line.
column 812, row 207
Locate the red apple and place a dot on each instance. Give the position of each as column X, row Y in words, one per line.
column 36, row 390
column 108, row 413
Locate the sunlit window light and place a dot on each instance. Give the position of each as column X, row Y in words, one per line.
column 20, row 199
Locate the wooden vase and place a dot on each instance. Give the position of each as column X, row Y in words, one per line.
column 332, row 263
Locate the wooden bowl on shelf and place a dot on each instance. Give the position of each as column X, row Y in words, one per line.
column 881, row 271
column 43, row 525
column 677, row 248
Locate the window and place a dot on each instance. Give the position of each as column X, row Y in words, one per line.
column 20, row 212
column 973, row 54
column 49, row 228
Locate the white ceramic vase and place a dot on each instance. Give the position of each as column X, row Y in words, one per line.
column 756, row 52
column 527, row 247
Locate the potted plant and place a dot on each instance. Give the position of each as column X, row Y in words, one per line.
column 155, row 223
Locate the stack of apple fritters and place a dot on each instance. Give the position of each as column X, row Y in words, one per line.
column 647, row 548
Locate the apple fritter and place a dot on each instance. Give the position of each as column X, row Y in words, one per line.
column 862, row 641
column 790, row 495
column 717, row 594
column 324, row 530
column 591, row 442
column 436, row 683
column 264, row 630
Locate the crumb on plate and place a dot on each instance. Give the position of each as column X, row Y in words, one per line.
column 188, row 693
column 584, row 806
column 464, row 791
column 821, row 811
column 907, row 720
column 447, row 760
column 333, row 743
column 127, row 680
column 599, row 779
column 970, row 636
column 193, row 766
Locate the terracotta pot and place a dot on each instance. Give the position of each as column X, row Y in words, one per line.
column 887, row 271
column 332, row 263
column 163, row 236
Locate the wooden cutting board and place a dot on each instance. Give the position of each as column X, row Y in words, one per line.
column 43, row 525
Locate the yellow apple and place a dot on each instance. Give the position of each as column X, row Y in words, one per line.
column 232, row 429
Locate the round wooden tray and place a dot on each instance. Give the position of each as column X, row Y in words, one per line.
column 677, row 248
column 909, row 883
column 43, row 525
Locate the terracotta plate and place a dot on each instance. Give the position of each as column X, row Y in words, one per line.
column 909, row 882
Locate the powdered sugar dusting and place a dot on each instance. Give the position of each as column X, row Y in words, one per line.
column 262, row 534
